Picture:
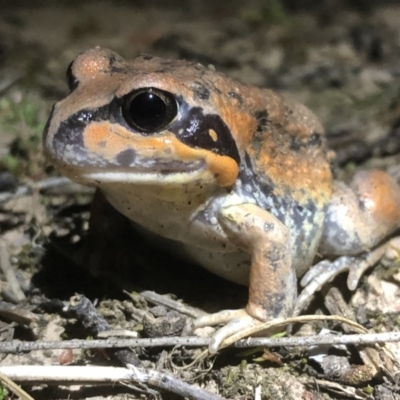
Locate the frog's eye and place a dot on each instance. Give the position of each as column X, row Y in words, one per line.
column 149, row 110
column 72, row 81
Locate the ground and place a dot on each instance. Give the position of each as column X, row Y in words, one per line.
column 340, row 58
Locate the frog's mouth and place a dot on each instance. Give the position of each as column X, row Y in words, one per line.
column 168, row 173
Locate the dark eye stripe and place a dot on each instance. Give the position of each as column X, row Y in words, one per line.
column 193, row 127
column 206, row 131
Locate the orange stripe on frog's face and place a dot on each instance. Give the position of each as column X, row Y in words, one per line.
column 111, row 140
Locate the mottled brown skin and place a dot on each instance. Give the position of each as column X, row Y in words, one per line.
column 368, row 210
column 239, row 180
column 237, row 104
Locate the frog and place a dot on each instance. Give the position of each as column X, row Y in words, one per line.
column 236, row 178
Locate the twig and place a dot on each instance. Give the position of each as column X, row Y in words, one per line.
column 55, row 375
column 364, row 338
column 11, row 78
column 9, row 274
column 163, row 300
column 16, row 346
column 371, row 356
column 17, row 314
column 117, row 332
column 257, row 393
column 84, row 310
column 280, row 323
column 336, row 305
column 46, row 184
column 14, row 387
column 171, row 384
column 337, row 389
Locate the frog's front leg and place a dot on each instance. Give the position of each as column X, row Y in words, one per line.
column 272, row 281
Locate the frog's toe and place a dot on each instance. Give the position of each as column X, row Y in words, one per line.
column 235, row 320
column 323, row 272
column 326, row 270
column 392, row 252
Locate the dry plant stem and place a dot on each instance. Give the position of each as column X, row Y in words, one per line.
column 278, row 323
column 6, row 381
column 158, row 299
column 46, row 184
column 362, row 339
column 18, row 314
column 368, row 338
column 336, row 305
column 171, row 384
column 117, row 332
column 9, row 274
column 83, row 309
column 371, row 356
column 151, row 394
column 17, row 346
column 257, row 393
column 335, row 388
column 55, row 375
column 11, row 78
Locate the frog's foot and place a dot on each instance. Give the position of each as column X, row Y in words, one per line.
column 235, row 320
column 326, row 270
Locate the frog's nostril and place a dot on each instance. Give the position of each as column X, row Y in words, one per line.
column 72, row 81
column 149, row 110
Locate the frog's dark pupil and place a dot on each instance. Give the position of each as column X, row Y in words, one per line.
column 149, row 110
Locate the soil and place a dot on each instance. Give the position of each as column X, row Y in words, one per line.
column 340, row 58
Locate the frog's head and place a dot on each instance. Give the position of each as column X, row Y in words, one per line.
column 149, row 121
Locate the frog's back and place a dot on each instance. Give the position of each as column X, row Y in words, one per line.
column 286, row 169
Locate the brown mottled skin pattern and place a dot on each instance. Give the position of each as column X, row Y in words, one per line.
column 270, row 148
column 238, row 179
